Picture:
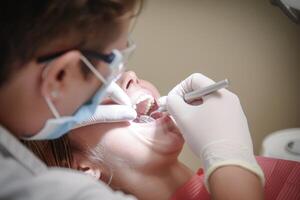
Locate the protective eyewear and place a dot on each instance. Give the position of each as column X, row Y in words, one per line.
column 114, row 66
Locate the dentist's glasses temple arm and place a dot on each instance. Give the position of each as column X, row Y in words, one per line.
column 108, row 58
column 116, row 60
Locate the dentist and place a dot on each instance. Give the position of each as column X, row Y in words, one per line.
column 58, row 60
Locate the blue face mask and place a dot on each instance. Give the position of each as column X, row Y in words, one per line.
column 58, row 126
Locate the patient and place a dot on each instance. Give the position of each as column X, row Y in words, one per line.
column 141, row 158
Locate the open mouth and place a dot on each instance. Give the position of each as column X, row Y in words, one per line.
column 144, row 106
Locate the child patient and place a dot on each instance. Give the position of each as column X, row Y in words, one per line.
column 141, row 158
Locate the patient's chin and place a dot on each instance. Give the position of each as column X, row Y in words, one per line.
column 162, row 136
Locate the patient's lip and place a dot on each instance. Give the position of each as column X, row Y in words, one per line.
column 156, row 115
column 107, row 101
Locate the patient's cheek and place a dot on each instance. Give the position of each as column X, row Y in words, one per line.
column 121, row 146
column 150, row 87
column 116, row 140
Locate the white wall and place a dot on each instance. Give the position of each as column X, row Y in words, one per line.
column 248, row 41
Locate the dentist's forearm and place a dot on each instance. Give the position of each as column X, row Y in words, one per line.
column 235, row 183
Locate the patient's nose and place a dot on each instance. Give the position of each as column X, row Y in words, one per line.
column 127, row 80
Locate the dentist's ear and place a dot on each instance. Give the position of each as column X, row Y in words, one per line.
column 64, row 84
column 55, row 76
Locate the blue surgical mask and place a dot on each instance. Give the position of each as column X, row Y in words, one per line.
column 58, row 126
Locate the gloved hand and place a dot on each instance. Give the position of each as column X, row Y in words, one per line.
column 115, row 92
column 115, row 112
column 217, row 130
column 109, row 114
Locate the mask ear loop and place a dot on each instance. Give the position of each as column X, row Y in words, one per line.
column 116, row 62
column 52, row 107
column 89, row 65
column 92, row 68
column 47, row 99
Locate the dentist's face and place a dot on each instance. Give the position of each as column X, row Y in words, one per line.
column 132, row 144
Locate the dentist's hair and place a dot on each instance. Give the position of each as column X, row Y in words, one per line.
column 27, row 27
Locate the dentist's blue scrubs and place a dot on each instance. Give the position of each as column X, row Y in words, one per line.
column 24, row 176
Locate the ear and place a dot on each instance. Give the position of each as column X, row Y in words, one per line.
column 57, row 74
column 85, row 166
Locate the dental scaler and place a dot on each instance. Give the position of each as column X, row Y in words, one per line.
column 189, row 97
column 197, row 94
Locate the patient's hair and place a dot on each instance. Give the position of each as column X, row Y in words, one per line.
column 55, row 153
column 28, row 26
column 59, row 153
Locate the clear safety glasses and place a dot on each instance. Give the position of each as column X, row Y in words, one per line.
column 128, row 51
column 106, row 67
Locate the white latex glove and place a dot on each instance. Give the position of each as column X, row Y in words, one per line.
column 112, row 113
column 217, row 130
column 109, row 114
column 115, row 92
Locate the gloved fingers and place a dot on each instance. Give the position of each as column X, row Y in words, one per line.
column 177, row 107
column 114, row 113
column 193, row 82
column 110, row 113
column 115, row 92
column 175, row 102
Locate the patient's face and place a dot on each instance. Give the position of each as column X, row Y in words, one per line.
column 132, row 144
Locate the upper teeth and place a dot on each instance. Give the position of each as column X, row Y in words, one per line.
column 143, row 97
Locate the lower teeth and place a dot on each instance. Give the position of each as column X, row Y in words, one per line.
column 145, row 119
